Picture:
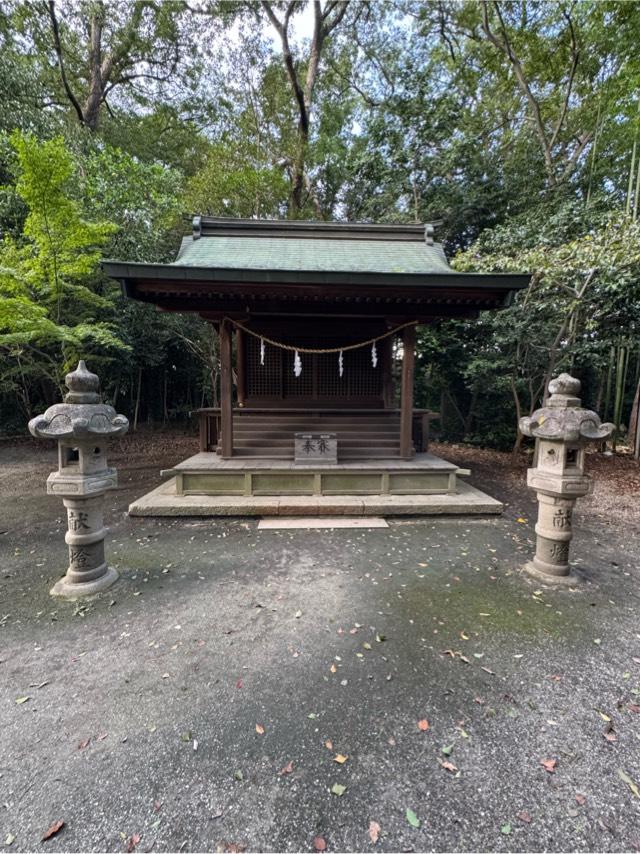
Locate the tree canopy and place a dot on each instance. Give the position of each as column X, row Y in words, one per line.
column 512, row 125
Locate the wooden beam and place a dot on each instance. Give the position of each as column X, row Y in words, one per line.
column 406, row 400
column 226, row 391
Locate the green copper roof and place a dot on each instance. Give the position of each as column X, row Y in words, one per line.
column 290, row 253
column 301, row 253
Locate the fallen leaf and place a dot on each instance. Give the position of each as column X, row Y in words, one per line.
column 630, row 783
column 381, row 638
column 338, row 789
column 521, row 520
column 374, row 831
column 603, row 716
column 319, row 844
column 156, row 806
column 366, row 645
column 423, row 725
column 239, row 683
column 580, row 799
column 448, row 766
column 609, row 733
column 412, row 818
column 259, row 729
column 55, row 828
column 21, row 700
column 329, row 745
column 288, row 768
column 102, row 736
column 506, row 829
column 84, row 744
column 10, row 839
column 333, row 668
column 597, row 641
column 340, row 758
column 447, row 749
column 133, row 840
column 238, row 775
column 523, row 815
column 633, row 707
column 549, row 765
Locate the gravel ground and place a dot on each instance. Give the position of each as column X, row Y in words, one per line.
column 201, row 702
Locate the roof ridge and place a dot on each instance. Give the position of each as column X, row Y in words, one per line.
column 209, row 226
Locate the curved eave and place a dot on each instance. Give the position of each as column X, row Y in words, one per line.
column 129, row 273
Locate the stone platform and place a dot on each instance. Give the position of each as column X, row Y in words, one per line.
column 207, row 473
column 206, row 485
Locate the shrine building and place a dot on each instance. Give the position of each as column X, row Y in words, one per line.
column 317, row 331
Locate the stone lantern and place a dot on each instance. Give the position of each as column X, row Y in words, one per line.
column 562, row 429
column 82, row 425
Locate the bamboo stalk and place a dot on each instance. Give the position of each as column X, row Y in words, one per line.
column 607, row 397
column 633, row 166
column 617, row 405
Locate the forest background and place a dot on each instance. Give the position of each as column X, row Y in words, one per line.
column 513, row 125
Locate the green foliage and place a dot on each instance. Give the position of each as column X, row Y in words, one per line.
column 49, row 278
column 515, row 125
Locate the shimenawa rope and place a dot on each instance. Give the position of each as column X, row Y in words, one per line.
column 293, row 349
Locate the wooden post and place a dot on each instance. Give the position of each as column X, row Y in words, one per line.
column 226, row 391
column 406, row 399
column 240, row 367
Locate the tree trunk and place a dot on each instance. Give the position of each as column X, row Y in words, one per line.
column 137, row 409
column 634, row 424
column 165, row 411
column 610, row 369
column 617, row 406
column 517, row 445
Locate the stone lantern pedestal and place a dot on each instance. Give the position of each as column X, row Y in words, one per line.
column 562, row 429
column 82, row 426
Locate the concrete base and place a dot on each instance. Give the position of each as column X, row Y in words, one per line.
column 64, row 589
column 546, row 577
column 163, row 501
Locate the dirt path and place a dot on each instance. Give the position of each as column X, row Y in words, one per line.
column 201, row 703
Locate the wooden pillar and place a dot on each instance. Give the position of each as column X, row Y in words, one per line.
column 226, row 391
column 406, row 397
column 241, row 367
